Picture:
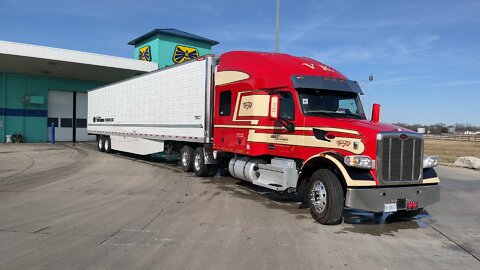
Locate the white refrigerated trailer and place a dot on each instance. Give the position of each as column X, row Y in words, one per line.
column 139, row 115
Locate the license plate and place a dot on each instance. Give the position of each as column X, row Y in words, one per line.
column 390, row 207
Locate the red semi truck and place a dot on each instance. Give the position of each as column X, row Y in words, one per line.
column 286, row 123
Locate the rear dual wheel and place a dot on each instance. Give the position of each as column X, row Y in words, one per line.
column 104, row 144
column 199, row 167
column 186, row 158
column 100, row 145
column 194, row 160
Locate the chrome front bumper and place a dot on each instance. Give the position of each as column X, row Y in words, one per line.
column 374, row 199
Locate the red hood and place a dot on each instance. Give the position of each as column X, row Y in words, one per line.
column 354, row 128
column 364, row 127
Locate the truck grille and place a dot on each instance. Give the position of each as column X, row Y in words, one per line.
column 400, row 157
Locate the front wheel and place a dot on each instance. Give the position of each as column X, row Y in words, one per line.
column 325, row 197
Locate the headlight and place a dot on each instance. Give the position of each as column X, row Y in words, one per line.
column 430, row 161
column 362, row 162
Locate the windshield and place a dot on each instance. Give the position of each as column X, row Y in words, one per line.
column 330, row 103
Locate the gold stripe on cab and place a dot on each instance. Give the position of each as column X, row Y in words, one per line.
column 350, row 182
column 308, row 141
column 340, row 130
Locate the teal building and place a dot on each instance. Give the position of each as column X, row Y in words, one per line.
column 170, row 46
column 41, row 86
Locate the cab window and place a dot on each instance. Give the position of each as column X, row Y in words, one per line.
column 287, row 107
column 225, row 103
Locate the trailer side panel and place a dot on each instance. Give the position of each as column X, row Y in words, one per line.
column 168, row 104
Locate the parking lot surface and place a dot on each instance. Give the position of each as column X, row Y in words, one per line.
column 68, row 206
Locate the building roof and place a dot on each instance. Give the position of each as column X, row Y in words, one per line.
column 175, row 33
column 60, row 63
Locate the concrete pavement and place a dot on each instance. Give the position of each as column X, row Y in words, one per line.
column 71, row 207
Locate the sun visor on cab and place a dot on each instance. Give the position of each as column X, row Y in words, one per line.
column 327, row 83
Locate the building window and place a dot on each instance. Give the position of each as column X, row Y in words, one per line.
column 66, row 122
column 81, row 123
column 52, row 120
column 225, row 103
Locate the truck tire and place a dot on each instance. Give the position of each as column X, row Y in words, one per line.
column 325, row 197
column 186, row 158
column 407, row 214
column 101, row 144
column 199, row 166
column 107, row 145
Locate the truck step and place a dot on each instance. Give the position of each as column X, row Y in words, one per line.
column 279, row 175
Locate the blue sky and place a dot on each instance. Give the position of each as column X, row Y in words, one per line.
column 424, row 55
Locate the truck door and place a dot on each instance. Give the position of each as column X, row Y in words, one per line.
column 285, row 140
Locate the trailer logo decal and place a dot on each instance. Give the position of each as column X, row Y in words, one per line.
column 247, row 105
column 145, row 54
column 343, row 143
column 184, row 53
column 99, row 119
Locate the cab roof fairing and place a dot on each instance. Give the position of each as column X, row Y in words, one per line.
column 274, row 70
column 326, row 83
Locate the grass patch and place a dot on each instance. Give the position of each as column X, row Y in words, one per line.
column 448, row 151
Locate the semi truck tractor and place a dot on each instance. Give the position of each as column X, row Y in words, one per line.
column 286, row 123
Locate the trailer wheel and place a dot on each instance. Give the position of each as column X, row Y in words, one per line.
column 199, row 166
column 101, row 144
column 107, row 145
column 325, row 197
column 186, row 158
column 407, row 214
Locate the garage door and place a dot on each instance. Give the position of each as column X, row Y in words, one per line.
column 70, row 121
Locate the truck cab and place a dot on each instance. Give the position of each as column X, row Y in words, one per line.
column 296, row 125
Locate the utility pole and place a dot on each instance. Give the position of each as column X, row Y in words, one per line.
column 278, row 27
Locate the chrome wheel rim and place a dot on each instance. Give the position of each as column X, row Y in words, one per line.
column 318, row 197
column 107, row 145
column 185, row 158
column 100, row 144
column 197, row 162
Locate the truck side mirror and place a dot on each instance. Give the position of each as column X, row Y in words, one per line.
column 375, row 113
column 274, row 108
